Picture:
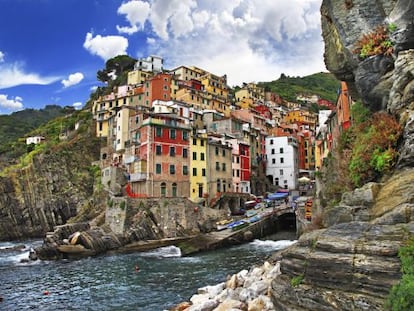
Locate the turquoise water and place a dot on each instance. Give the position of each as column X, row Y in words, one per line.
column 112, row 283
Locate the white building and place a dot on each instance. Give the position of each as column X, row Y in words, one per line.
column 150, row 64
column 34, row 140
column 282, row 161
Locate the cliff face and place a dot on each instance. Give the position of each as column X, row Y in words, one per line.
column 49, row 191
column 352, row 264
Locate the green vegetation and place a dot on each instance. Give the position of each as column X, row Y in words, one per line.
column 377, row 42
column 401, row 296
column 323, row 84
column 14, row 127
column 297, row 280
column 373, row 148
column 118, row 68
column 365, row 152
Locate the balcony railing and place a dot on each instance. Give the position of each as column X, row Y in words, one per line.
column 137, row 177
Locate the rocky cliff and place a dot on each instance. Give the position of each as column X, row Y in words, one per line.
column 49, row 190
column 353, row 262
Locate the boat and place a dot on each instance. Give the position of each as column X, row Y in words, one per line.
column 251, row 213
column 237, row 225
column 254, row 219
column 222, row 224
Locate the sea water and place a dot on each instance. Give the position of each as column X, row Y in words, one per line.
column 113, row 282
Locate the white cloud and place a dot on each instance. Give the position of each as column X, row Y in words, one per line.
column 14, row 75
column 10, row 104
column 136, row 14
column 77, row 105
column 105, row 47
column 1, row 57
column 73, row 79
column 249, row 40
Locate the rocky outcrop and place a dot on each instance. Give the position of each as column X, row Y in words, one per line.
column 48, row 191
column 353, row 263
column 382, row 82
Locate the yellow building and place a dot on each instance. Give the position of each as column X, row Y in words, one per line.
column 301, row 116
column 138, row 77
column 198, row 167
column 249, row 95
column 219, row 168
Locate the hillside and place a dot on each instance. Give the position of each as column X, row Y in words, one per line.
column 323, row 84
column 21, row 123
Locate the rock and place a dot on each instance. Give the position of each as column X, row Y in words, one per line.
column 212, row 290
column 204, row 305
column 248, row 236
column 182, row 306
column 261, row 303
column 232, row 282
column 231, row 304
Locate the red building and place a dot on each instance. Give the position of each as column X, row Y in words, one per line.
column 163, row 157
column 157, row 87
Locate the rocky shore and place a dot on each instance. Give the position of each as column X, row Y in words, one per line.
column 246, row 290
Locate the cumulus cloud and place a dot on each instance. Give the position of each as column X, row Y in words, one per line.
column 249, row 40
column 73, row 79
column 13, row 75
column 136, row 13
column 1, row 57
column 105, row 47
column 10, row 104
column 77, row 105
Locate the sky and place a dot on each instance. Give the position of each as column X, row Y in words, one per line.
column 51, row 50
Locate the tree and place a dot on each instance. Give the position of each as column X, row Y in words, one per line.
column 117, row 66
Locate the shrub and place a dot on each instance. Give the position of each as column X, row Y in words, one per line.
column 373, row 151
column 401, row 296
column 297, row 280
column 376, row 42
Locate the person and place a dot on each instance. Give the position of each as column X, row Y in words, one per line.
column 136, row 268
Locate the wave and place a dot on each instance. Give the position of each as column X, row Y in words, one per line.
column 163, row 252
column 273, row 245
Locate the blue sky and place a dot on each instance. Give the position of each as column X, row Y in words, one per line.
column 50, row 50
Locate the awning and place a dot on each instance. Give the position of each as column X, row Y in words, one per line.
column 278, row 195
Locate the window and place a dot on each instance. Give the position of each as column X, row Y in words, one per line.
column 194, row 171
column 185, row 170
column 163, row 189
column 273, row 151
column 185, row 135
column 172, row 134
column 271, row 141
column 202, row 156
column 238, row 173
column 273, row 161
column 158, row 149
column 280, row 172
column 203, row 172
column 194, row 156
column 201, row 142
column 282, row 160
column 157, row 168
column 217, row 166
column 237, row 160
column 158, row 132
column 174, row 189
column 217, row 151
column 281, row 150
column 185, row 153
column 224, row 152
column 172, row 169
column 218, row 185
column 195, row 141
column 172, row 151
column 223, row 166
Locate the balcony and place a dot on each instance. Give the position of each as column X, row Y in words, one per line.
column 137, row 177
